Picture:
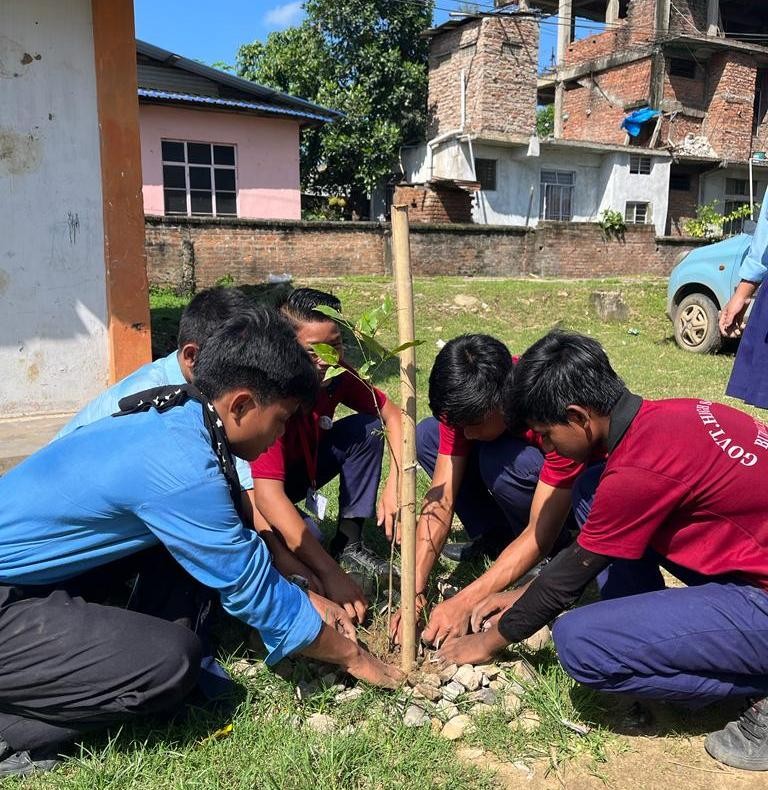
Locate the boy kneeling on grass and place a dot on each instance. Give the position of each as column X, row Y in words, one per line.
column 683, row 488
column 315, row 449
column 152, row 489
column 512, row 496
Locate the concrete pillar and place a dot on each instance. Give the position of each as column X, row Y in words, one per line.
column 713, row 18
column 663, row 8
column 564, row 29
column 612, row 12
column 564, row 38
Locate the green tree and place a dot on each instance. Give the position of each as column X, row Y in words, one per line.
column 545, row 121
column 365, row 58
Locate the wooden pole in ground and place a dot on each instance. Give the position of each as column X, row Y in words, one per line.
column 401, row 260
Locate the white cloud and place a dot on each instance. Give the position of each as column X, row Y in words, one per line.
column 285, row 15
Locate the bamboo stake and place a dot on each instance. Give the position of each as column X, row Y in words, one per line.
column 401, row 258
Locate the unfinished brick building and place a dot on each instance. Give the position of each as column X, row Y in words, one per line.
column 699, row 68
column 699, row 63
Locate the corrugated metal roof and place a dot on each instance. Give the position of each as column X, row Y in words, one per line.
column 277, row 99
column 272, row 109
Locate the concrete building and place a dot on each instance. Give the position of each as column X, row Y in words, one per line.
column 699, row 63
column 694, row 65
column 216, row 145
column 74, row 313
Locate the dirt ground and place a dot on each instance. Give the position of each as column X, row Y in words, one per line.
column 667, row 754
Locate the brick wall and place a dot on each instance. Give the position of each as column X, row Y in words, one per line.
column 500, row 59
column 728, row 125
column 438, row 203
column 596, row 108
column 637, row 29
column 248, row 250
column 688, row 17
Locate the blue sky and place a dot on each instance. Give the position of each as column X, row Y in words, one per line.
column 212, row 32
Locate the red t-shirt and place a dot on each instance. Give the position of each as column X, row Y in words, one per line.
column 689, row 479
column 557, row 471
column 299, row 443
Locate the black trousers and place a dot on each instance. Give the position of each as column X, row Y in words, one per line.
column 70, row 664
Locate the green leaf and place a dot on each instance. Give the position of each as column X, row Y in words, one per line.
column 365, row 369
column 330, row 312
column 332, row 372
column 372, row 345
column 326, row 353
column 410, row 344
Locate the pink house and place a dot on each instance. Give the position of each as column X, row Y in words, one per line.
column 216, row 145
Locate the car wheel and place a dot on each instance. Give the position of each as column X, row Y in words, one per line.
column 696, row 327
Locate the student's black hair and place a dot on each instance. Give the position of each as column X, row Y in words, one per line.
column 256, row 350
column 302, row 303
column 559, row 370
column 207, row 312
column 467, row 379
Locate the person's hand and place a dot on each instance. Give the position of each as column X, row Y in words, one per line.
column 345, row 591
column 472, row 649
column 487, row 613
column 732, row 315
column 449, row 620
column 387, row 509
column 396, row 625
column 288, row 564
column 374, row 671
column 333, row 615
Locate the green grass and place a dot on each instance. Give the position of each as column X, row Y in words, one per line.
column 268, row 746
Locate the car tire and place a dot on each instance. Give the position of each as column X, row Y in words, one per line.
column 696, row 325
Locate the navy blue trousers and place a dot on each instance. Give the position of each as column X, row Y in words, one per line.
column 695, row 644
column 498, row 486
column 352, row 450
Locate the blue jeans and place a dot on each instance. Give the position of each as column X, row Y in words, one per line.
column 695, row 644
column 497, row 488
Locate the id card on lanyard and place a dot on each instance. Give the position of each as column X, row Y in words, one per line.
column 315, row 502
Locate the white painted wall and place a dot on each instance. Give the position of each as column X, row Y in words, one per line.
column 601, row 180
column 622, row 187
column 712, row 184
column 53, row 337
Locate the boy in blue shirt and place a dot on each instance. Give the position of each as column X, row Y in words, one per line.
column 159, row 476
column 204, row 314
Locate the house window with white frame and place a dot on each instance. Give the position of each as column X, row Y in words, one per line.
column 640, row 165
column 637, row 213
column 199, row 179
column 556, row 195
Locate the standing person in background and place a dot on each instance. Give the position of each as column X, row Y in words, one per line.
column 749, row 378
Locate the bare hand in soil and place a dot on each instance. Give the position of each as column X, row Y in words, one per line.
column 472, row 649
column 344, row 590
column 374, row 671
column 487, row 613
column 395, row 627
column 334, row 615
column 449, row 620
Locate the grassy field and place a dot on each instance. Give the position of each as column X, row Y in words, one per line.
column 269, row 746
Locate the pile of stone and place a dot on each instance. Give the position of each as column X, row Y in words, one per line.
column 445, row 698
column 450, row 698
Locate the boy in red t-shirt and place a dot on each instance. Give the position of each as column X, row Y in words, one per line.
column 505, row 490
column 684, row 487
column 315, row 449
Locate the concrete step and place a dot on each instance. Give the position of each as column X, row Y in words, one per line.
column 22, row 436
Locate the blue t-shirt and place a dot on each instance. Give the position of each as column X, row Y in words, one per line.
column 123, row 484
column 159, row 373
